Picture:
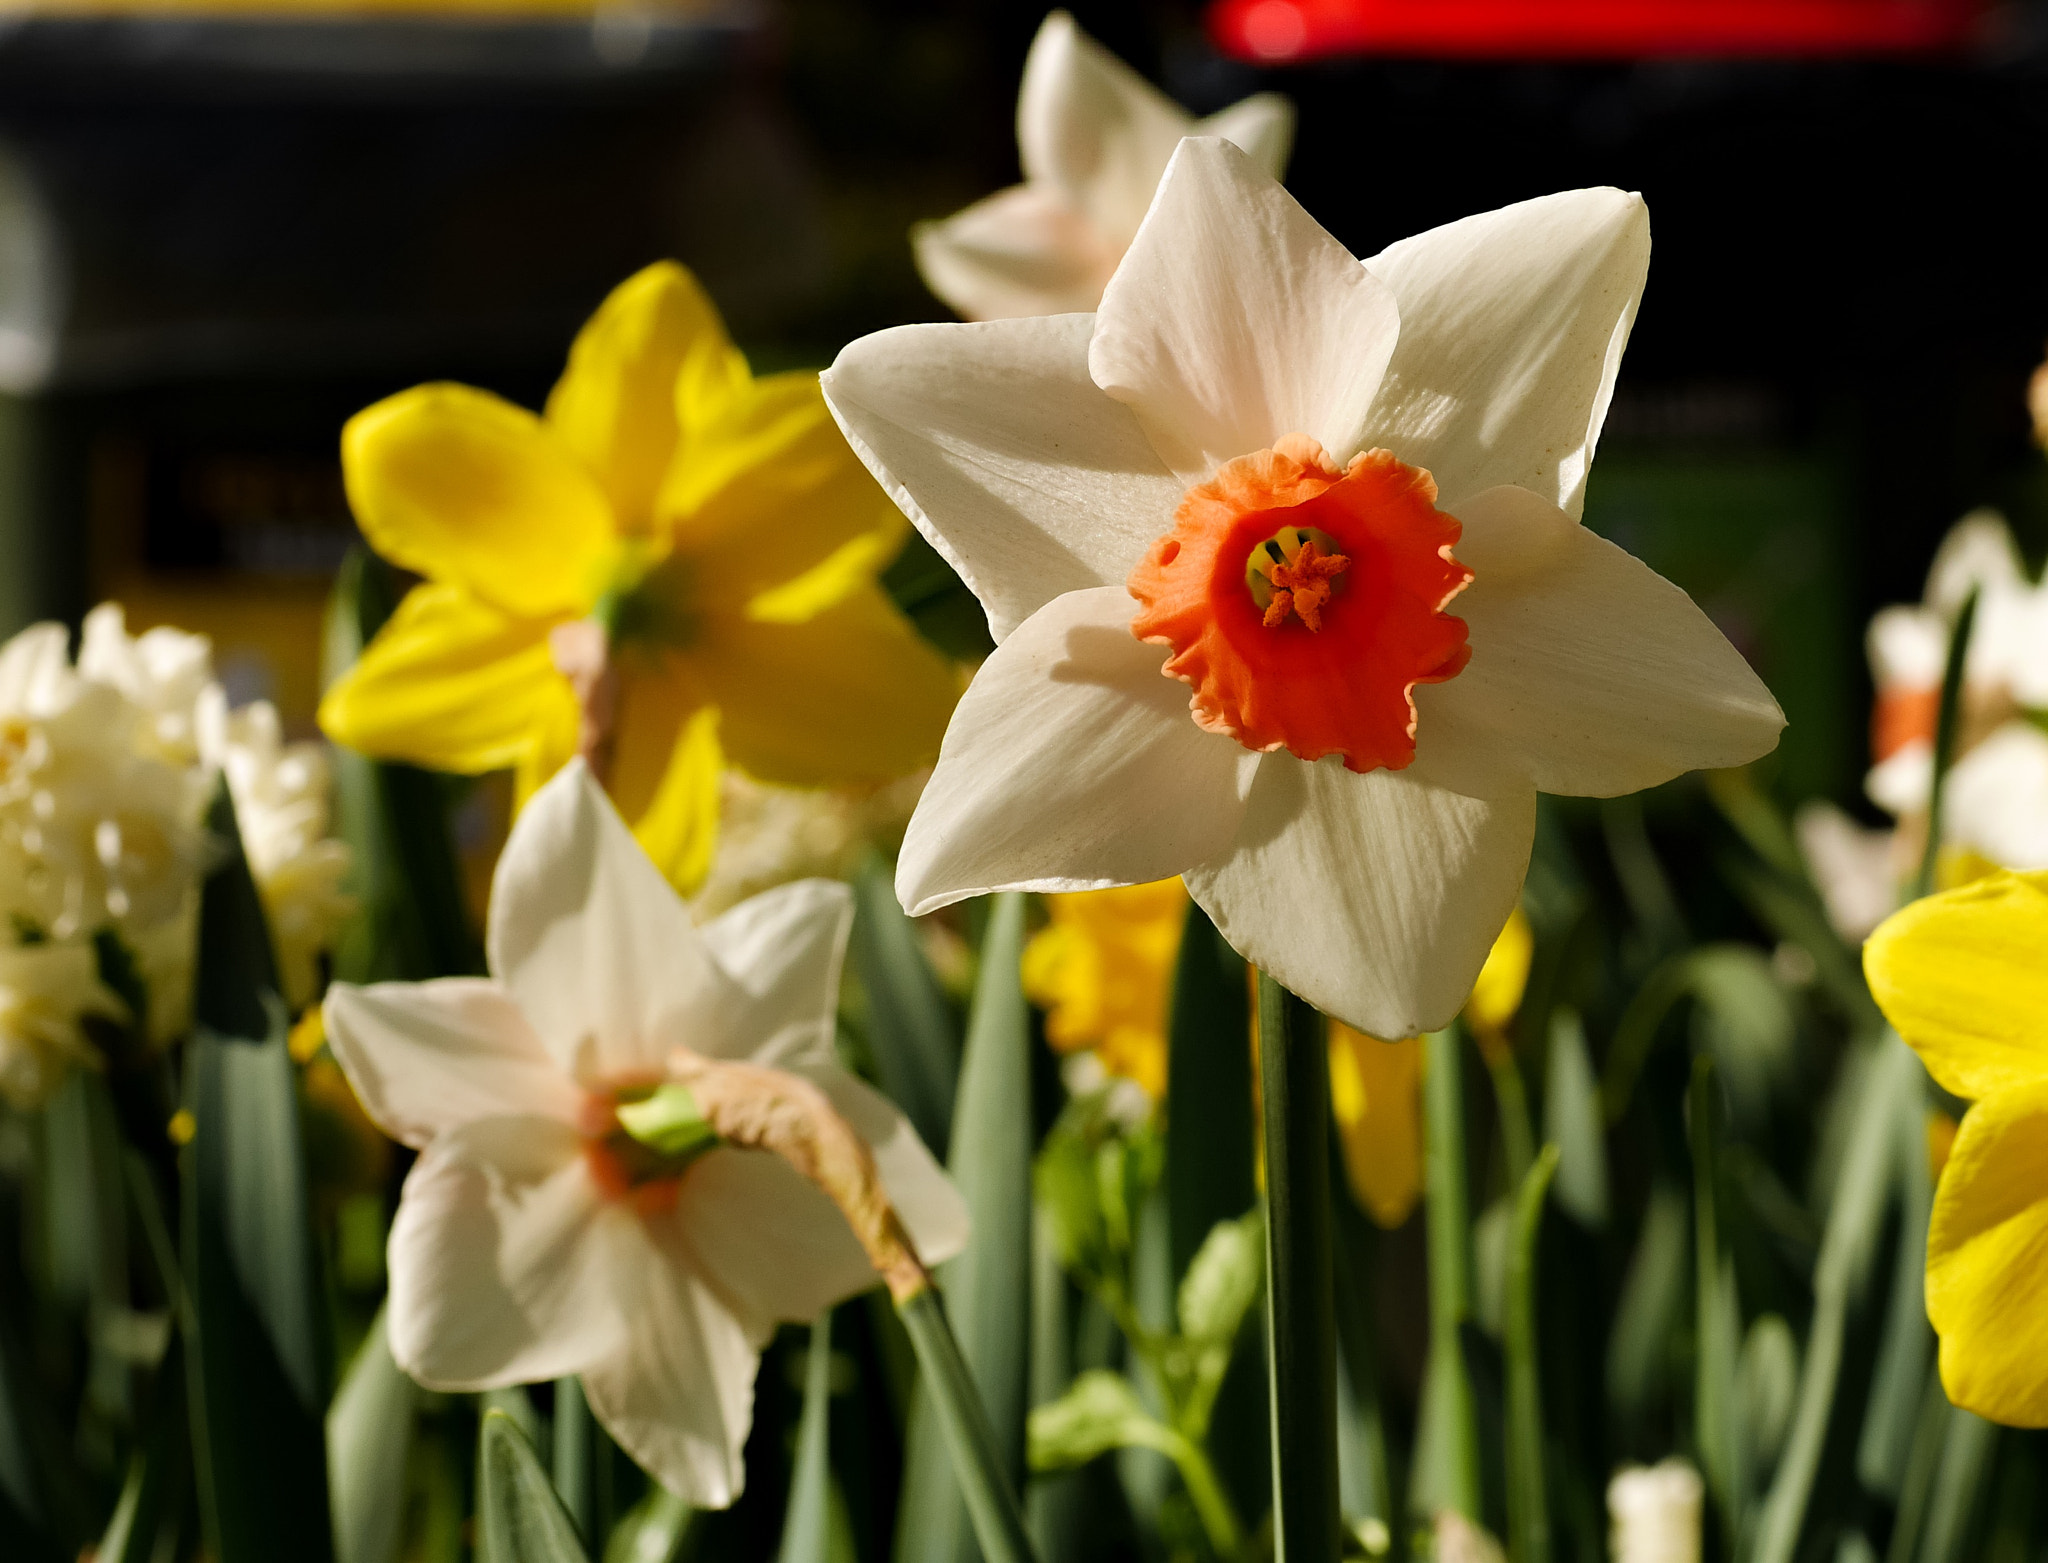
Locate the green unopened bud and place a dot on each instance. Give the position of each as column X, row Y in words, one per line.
column 668, row 1122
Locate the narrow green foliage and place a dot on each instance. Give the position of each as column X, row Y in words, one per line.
column 519, row 1518
column 1948, row 722
column 1651, row 1307
column 1908, row 1344
column 988, row 1287
column 1716, row 1310
column 1572, row 1122
column 369, row 1438
column 1961, row 1485
column 1209, row 1153
column 1301, row 1339
column 144, row 1524
column 582, row 1462
column 807, row 1523
column 1446, row 1474
column 1528, row 1499
column 910, row 1030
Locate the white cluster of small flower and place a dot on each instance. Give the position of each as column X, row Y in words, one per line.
column 106, row 770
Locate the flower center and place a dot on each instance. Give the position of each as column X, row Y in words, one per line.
column 639, row 1140
column 1303, row 604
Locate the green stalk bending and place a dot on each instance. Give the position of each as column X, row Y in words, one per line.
column 1294, row 1075
column 977, row 1464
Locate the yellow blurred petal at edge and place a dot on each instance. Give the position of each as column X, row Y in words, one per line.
column 466, row 489
column 851, row 696
column 1987, row 1259
column 679, row 830
column 450, row 683
column 771, row 493
column 1376, row 1094
column 1961, row 978
column 655, row 340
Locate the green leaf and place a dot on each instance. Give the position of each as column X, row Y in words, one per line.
column 369, row 1438
column 519, row 1518
column 654, row 1530
column 1572, row 1122
column 1765, row 1379
column 1528, row 1498
column 1224, row 1280
column 1099, row 1412
column 1650, row 1310
column 412, row 921
column 1210, row 1144
column 1446, row 1470
column 1907, row 1348
column 144, row 1525
column 910, row 1029
column 988, row 1286
column 807, row 1523
column 1960, row 1486
column 1743, row 1020
column 1717, row 1428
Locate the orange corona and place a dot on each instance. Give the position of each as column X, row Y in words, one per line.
column 1304, row 603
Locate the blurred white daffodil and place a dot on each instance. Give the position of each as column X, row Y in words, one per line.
column 281, row 796
column 163, row 672
column 46, row 991
column 572, row 1209
column 1094, row 137
column 1249, row 439
column 1655, row 1513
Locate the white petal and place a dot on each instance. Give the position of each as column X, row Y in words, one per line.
column 1236, row 319
column 591, row 942
column 1996, row 800
column 1901, row 782
column 1071, row 763
column 679, row 1394
column 930, row 1206
column 993, row 439
column 775, row 1246
column 1857, row 869
column 782, row 949
column 1598, row 673
column 503, row 1260
column 1094, row 129
column 1023, row 251
column 1977, row 554
column 1908, row 648
column 1374, row 897
column 1260, row 126
column 1512, row 328
column 425, row 1057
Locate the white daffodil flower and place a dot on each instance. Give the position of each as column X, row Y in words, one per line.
column 46, row 991
column 1857, row 870
column 163, row 671
column 1094, row 136
column 1229, row 476
column 1655, row 1513
column 538, row 1235
column 281, row 793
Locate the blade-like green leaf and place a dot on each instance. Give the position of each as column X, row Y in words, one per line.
column 1364, row 1463
column 910, row 1030
column 988, row 1287
column 1528, row 1498
column 1209, row 1145
column 1446, row 1472
column 807, row 1524
column 1960, row 1487
column 1898, row 1381
column 411, row 920
column 40, row 1503
column 1652, row 1303
column 1716, row 1417
column 145, row 1519
column 256, row 1327
column 1765, row 1379
column 1572, row 1122
column 369, row 1437
column 654, row 1530
column 519, row 1518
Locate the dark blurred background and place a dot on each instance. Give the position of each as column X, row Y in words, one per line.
column 219, row 237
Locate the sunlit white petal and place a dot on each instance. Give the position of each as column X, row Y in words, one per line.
column 1022, row 251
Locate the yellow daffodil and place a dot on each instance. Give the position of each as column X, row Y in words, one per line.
column 1103, row 970
column 675, row 562
column 1376, row 1094
column 1497, row 995
column 1960, row 976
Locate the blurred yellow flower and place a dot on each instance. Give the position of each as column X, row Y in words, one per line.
column 1376, row 1094
column 1497, row 995
column 674, row 563
column 1960, row 976
column 1103, row 971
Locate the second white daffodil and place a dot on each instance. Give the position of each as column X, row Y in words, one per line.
column 1263, row 472
column 573, row 1210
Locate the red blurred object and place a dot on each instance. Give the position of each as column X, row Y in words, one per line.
column 1273, row 31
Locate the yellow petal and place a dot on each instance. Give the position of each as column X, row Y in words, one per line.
column 1376, row 1094
column 1961, row 977
column 1497, row 995
column 679, row 829
column 467, row 489
column 771, row 492
column 851, row 696
column 1102, row 969
column 655, row 341
column 1987, row 1259
column 451, row 683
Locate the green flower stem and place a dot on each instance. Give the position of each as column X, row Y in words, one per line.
column 1528, row 1505
column 1294, row 1074
column 1945, row 728
column 1448, row 1460
column 1212, row 1505
column 977, row 1465
column 1517, row 1138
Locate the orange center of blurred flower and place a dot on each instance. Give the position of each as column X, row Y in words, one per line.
column 1901, row 717
column 1303, row 604
column 624, row 1170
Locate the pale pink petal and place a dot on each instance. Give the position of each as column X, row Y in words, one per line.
column 782, row 951
column 425, row 1057
column 1023, row 251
